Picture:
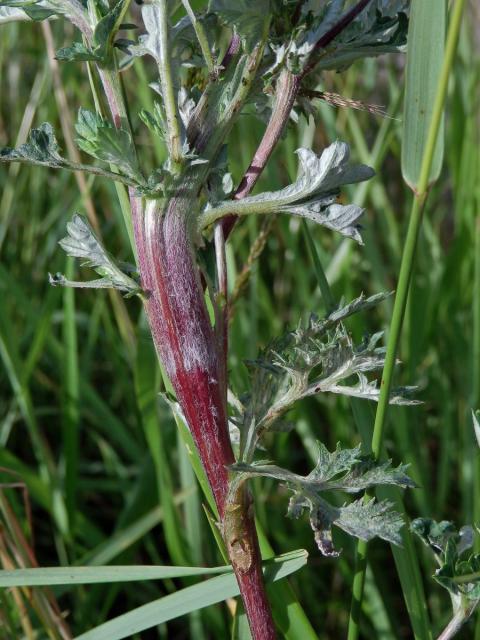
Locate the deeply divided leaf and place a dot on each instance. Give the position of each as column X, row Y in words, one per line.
column 313, row 195
column 82, row 242
column 341, row 470
column 100, row 139
column 41, row 148
column 245, row 17
column 315, row 358
column 459, row 570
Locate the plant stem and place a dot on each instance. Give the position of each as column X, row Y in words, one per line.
column 166, row 82
column 420, row 197
column 458, row 620
column 285, row 94
column 333, row 32
column 187, row 344
column 201, row 37
column 288, row 86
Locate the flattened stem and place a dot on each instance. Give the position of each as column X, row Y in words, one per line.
column 188, row 347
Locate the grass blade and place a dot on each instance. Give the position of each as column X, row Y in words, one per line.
column 412, row 588
column 48, row 576
column 189, row 599
column 426, row 49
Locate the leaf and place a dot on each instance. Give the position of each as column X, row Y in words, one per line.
column 459, row 574
column 35, row 10
column 150, row 44
column 12, row 14
column 82, row 242
column 49, row 576
column 103, row 39
column 78, row 52
column 342, row 470
column 380, row 28
column 317, row 358
column 426, row 45
column 154, row 121
column 189, row 599
column 41, row 148
column 42, row 9
column 245, row 17
column 100, row 139
column 312, row 195
column 106, row 30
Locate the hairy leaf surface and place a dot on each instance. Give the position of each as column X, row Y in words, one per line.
column 82, row 242
column 345, row 470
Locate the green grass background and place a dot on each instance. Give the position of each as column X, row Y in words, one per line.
column 107, row 476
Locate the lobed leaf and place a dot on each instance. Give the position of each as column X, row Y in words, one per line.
column 313, row 195
column 38, row 10
column 100, row 139
column 78, row 52
column 458, row 573
column 317, row 358
column 245, row 17
column 82, row 242
column 380, row 28
column 342, row 470
column 42, row 149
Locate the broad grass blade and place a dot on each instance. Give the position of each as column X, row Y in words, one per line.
column 189, row 599
column 426, row 47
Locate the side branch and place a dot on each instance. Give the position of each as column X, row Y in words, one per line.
column 166, row 81
column 286, row 93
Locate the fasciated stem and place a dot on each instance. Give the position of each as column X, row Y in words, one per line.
column 187, row 345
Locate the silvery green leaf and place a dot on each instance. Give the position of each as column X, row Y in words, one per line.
column 246, row 17
column 186, row 106
column 102, row 41
column 380, row 28
column 78, row 52
column 12, row 14
column 100, row 139
column 318, row 175
column 365, row 389
column 82, row 242
column 312, row 195
column 32, row 9
column 42, row 149
column 459, row 573
column 341, row 218
column 370, row 520
column 318, row 357
column 154, row 121
column 73, row 10
column 341, row 470
column 150, row 43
